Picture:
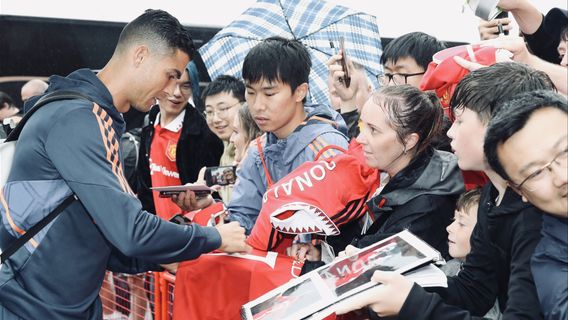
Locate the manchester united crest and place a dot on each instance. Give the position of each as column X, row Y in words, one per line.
column 171, row 150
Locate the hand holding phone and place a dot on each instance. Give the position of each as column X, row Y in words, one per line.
column 346, row 78
column 200, row 191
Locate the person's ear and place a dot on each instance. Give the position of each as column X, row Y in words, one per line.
column 411, row 141
column 301, row 92
column 369, row 88
column 518, row 191
column 141, row 53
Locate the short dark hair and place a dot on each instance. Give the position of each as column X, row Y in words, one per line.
column 278, row 59
column 564, row 34
column 225, row 83
column 159, row 29
column 512, row 116
column 416, row 45
column 410, row 110
column 484, row 89
column 468, row 200
column 6, row 99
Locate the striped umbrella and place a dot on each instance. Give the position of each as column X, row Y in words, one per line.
column 312, row 22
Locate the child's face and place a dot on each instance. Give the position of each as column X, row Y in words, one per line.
column 460, row 231
column 468, row 135
column 274, row 107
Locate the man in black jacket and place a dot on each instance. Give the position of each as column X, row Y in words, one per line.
column 175, row 145
column 507, row 231
column 527, row 144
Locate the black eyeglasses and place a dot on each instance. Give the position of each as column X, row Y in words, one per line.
column 396, row 78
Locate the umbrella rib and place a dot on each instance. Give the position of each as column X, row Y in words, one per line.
column 237, row 36
column 286, row 19
column 318, row 49
column 329, row 24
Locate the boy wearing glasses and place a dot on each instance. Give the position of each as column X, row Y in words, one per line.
column 222, row 98
column 405, row 60
column 174, row 146
column 527, row 144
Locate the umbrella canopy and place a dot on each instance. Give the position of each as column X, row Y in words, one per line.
column 312, row 22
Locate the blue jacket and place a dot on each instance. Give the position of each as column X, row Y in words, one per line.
column 281, row 157
column 72, row 147
column 549, row 266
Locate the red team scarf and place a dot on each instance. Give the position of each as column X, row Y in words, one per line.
column 318, row 197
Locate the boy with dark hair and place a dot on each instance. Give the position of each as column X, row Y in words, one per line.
column 222, row 98
column 276, row 74
column 459, row 231
column 227, row 84
column 69, row 150
column 406, row 58
column 490, row 90
column 527, row 144
column 507, row 229
column 459, row 238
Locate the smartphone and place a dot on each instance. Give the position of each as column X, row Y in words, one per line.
column 221, row 176
column 503, row 14
column 168, row 191
column 343, row 61
column 198, row 194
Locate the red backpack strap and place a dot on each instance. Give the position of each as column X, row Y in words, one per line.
column 261, row 154
column 328, row 147
column 318, row 119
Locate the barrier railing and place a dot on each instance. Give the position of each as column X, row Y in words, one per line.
column 146, row 296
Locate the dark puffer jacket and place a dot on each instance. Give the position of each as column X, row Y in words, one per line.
column 421, row 198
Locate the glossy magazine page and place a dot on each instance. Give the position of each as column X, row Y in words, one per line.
column 341, row 279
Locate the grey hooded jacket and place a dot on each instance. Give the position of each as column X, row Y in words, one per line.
column 281, row 157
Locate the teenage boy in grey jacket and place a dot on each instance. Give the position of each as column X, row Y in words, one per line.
column 276, row 74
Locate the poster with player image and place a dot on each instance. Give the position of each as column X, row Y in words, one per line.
column 315, row 293
column 357, row 270
column 299, row 296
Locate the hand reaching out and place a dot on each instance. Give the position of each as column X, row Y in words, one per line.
column 490, row 29
column 304, row 251
column 386, row 299
column 232, row 238
column 187, row 201
column 336, row 73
